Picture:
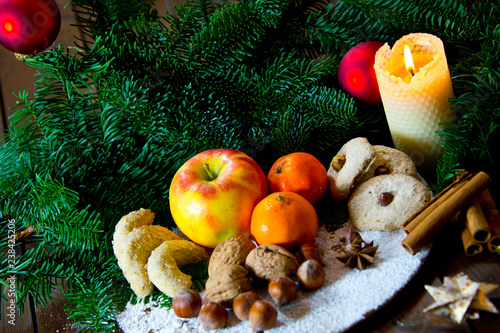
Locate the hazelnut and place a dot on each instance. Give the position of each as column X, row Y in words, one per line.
column 282, row 290
column 338, row 162
column 311, row 274
column 243, row 302
column 385, row 199
column 186, row 303
column 212, row 316
column 382, row 170
column 262, row 315
column 309, row 251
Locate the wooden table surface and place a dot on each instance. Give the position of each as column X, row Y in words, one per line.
column 402, row 314
column 447, row 258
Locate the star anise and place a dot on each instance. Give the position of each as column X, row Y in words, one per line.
column 361, row 254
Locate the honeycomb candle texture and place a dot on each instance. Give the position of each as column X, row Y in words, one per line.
column 416, row 100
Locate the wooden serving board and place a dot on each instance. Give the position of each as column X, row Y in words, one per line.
column 347, row 298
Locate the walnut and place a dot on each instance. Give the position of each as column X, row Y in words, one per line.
column 233, row 250
column 228, row 282
column 271, row 261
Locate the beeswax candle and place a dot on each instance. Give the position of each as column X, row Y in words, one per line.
column 416, row 98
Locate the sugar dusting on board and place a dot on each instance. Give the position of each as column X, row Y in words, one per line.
column 346, row 298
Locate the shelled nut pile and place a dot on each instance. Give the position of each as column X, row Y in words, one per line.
column 236, row 265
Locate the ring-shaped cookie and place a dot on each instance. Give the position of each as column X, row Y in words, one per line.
column 385, row 202
column 388, row 161
column 358, row 154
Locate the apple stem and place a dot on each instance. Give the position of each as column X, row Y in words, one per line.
column 209, row 172
column 279, row 197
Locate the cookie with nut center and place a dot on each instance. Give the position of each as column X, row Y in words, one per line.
column 385, row 202
column 347, row 167
column 389, row 161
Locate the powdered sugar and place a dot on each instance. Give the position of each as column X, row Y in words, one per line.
column 346, row 298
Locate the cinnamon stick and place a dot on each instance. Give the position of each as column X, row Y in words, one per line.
column 492, row 215
column 443, row 211
column 471, row 246
column 436, row 202
column 476, row 222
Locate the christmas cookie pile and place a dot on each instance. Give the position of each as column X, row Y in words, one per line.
column 380, row 184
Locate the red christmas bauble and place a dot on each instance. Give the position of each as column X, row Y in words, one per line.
column 357, row 75
column 28, row 26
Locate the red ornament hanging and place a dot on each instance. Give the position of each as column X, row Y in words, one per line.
column 29, row 26
column 357, row 75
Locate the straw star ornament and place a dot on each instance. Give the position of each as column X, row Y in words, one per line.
column 459, row 297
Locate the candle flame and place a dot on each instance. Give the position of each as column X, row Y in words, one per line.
column 410, row 67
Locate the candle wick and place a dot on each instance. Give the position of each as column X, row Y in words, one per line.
column 412, row 72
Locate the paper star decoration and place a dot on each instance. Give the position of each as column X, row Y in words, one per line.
column 459, row 297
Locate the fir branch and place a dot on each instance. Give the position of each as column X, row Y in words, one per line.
column 35, row 274
column 331, row 213
column 110, row 123
column 96, row 17
column 93, row 304
column 476, row 104
column 289, row 74
column 156, row 298
column 456, row 20
column 198, row 273
column 227, row 38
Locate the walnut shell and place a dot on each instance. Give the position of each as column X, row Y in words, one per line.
column 229, row 282
column 233, row 250
column 271, row 261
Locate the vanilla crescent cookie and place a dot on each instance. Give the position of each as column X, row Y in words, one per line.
column 143, row 249
column 385, row 202
column 133, row 254
column 388, row 161
column 129, row 222
column 164, row 262
column 354, row 157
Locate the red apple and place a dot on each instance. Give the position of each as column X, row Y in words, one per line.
column 213, row 194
